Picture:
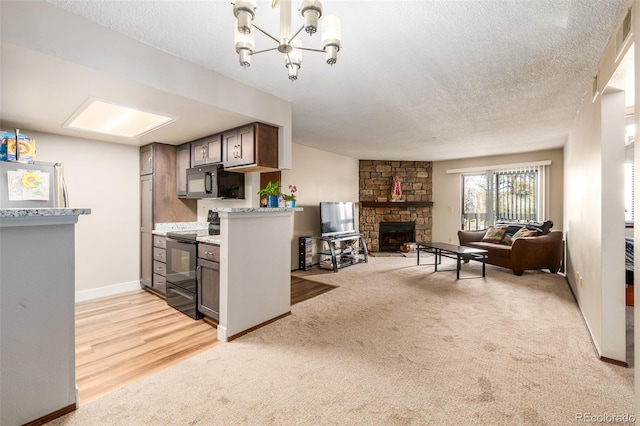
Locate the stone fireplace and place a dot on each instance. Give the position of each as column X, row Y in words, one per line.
column 392, row 235
column 376, row 207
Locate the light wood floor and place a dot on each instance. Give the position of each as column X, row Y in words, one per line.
column 123, row 338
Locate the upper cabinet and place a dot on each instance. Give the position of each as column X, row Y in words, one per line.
column 146, row 160
column 183, row 162
column 206, row 151
column 238, row 146
column 250, row 148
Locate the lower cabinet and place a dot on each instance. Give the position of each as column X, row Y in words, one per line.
column 209, row 280
column 159, row 264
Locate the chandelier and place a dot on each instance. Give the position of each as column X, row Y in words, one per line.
column 288, row 44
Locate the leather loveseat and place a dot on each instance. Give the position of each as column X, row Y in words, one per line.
column 541, row 250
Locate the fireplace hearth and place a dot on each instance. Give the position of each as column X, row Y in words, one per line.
column 394, row 234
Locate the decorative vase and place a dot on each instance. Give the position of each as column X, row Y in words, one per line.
column 272, row 200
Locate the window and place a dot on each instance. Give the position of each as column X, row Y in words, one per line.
column 517, row 196
column 475, row 199
column 508, row 194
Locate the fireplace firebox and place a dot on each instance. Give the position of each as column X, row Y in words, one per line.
column 392, row 235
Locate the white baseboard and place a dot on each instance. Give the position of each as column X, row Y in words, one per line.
column 222, row 333
column 109, row 290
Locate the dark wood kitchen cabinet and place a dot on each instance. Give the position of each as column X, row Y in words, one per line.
column 146, row 160
column 158, row 201
column 207, row 150
column 159, row 283
column 209, row 280
column 250, row 148
column 146, row 226
column 183, row 162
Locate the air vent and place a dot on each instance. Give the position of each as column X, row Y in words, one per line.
column 623, row 32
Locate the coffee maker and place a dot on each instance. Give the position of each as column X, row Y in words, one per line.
column 214, row 223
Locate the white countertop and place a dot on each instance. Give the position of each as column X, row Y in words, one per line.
column 209, row 239
column 163, row 228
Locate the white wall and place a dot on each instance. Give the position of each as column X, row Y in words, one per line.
column 105, row 178
column 319, row 176
column 583, row 218
column 447, row 189
column 593, row 177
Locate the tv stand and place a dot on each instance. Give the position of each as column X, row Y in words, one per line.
column 344, row 250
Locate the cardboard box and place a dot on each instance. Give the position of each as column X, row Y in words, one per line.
column 26, row 146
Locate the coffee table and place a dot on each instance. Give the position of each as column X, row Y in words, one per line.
column 453, row 252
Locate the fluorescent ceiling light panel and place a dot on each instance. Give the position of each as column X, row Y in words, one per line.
column 101, row 116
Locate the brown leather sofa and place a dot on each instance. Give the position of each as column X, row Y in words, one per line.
column 526, row 253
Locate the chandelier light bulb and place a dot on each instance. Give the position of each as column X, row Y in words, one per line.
column 311, row 11
column 293, row 72
column 244, row 48
column 293, row 59
column 244, row 11
column 244, row 58
column 331, row 42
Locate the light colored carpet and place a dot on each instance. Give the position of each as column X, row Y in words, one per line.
column 386, row 254
column 393, row 344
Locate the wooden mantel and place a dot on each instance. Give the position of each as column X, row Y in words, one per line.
column 396, row 204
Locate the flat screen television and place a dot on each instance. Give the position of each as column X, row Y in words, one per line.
column 336, row 218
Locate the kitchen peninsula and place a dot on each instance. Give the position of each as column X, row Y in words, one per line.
column 255, row 267
column 37, row 295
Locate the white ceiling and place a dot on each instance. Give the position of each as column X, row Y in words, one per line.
column 415, row 80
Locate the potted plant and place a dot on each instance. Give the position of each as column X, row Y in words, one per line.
column 290, row 199
column 272, row 192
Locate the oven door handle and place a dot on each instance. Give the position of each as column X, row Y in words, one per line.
column 181, row 293
column 177, row 240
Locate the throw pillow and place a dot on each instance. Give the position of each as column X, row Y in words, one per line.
column 494, row 235
column 506, row 239
column 523, row 232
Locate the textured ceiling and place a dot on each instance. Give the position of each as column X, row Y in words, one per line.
column 415, row 80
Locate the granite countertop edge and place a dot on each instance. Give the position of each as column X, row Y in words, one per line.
column 210, row 239
column 43, row 212
column 256, row 209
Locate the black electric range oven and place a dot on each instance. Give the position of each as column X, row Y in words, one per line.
column 182, row 284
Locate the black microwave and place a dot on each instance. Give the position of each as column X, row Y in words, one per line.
column 214, row 182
